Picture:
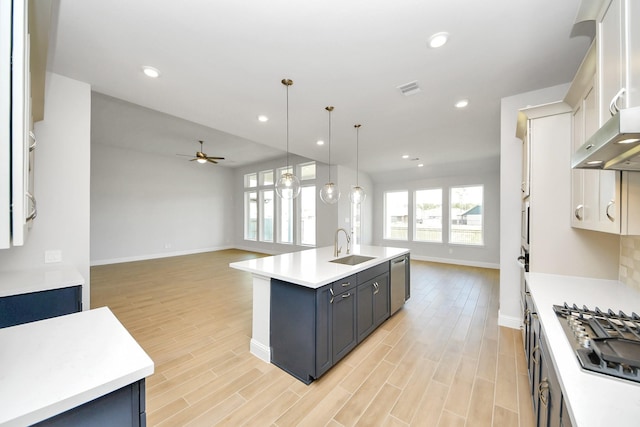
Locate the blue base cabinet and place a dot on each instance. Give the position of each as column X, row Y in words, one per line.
column 33, row 306
column 125, row 407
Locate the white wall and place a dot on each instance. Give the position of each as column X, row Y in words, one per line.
column 484, row 173
column 346, row 179
column 147, row 206
column 61, row 182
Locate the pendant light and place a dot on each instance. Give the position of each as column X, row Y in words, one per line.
column 288, row 185
column 329, row 193
column 357, row 195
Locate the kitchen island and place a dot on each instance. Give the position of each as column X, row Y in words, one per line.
column 308, row 279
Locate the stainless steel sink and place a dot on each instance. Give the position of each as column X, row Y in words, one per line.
column 352, row 259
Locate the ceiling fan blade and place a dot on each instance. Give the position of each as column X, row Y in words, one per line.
column 193, row 160
column 211, row 161
column 185, row 155
column 215, row 158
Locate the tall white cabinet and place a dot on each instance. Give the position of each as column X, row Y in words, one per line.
column 24, row 30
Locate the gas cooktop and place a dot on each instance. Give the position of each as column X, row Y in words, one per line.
column 604, row 341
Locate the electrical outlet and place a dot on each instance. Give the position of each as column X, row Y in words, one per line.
column 52, row 256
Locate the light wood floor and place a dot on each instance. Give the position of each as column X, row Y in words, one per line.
column 440, row 361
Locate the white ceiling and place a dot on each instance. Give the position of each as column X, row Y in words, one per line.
column 222, row 63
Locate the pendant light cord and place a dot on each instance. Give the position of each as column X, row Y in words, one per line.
column 357, row 153
column 329, row 109
column 287, row 127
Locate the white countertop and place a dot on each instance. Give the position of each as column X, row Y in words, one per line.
column 53, row 365
column 311, row 268
column 42, row 279
column 594, row 399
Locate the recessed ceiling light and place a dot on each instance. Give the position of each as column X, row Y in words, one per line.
column 420, row 165
column 595, row 162
column 262, row 118
column 320, row 142
column 438, row 40
column 405, row 156
column 462, row 103
column 151, row 72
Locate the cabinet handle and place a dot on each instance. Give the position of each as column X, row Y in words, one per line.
column 577, row 212
column 33, row 144
column 346, row 284
column 613, row 106
column 527, row 313
column 347, row 295
column 332, row 295
column 542, row 387
column 533, row 353
column 34, row 211
column 376, row 288
column 606, row 211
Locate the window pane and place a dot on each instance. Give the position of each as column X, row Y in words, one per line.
column 250, row 180
column 250, row 215
column 396, row 215
column 307, row 171
column 266, row 215
column 466, row 215
column 308, row 215
column 356, row 229
column 428, row 215
column 266, row 177
column 286, row 221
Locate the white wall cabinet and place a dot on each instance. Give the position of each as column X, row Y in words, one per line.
column 605, row 83
column 24, row 28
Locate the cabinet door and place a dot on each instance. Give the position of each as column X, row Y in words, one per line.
column 610, row 58
column 381, row 300
column 577, row 175
column 343, row 324
column 324, row 340
column 5, row 122
column 365, row 309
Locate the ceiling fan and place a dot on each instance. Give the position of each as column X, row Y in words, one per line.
column 201, row 157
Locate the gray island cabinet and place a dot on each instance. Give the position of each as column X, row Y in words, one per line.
column 317, row 311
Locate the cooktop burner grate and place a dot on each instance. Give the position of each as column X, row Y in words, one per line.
column 604, row 341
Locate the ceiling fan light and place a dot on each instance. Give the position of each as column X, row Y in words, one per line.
column 201, row 160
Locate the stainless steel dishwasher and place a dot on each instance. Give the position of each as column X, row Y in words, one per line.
column 398, row 282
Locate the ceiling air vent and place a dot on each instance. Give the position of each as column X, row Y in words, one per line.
column 410, row 88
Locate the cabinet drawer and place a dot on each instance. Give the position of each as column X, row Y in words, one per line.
column 339, row 286
column 24, row 308
column 372, row 272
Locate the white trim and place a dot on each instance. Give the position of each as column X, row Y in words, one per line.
column 509, row 321
column 155, row 256
column 260, row 351
column 457, row 261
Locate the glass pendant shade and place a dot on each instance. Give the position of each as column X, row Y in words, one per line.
column 288, row 186
column 329, row 193
column 357, row 195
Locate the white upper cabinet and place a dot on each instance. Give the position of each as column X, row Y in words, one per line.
column 618, row 38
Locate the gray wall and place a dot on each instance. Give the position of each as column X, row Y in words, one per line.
column 486, row 173
column 61, row 182
column 147, row 206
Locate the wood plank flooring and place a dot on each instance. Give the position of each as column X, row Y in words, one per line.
column 440, row 361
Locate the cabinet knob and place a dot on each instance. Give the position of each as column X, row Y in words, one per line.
column 613, row 105
column 578, row 211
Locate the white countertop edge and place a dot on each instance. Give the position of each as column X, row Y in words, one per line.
column 39, row 279
column 312, row 267
column 588, row 393
column 88, row 378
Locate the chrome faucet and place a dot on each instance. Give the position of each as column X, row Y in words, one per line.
column 337, row 251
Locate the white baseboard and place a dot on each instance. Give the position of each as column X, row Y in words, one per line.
column 259, row 350
column 509, row 321
column 456, row 262
column 155, row 256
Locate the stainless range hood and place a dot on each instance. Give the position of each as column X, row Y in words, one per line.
column 616, row 145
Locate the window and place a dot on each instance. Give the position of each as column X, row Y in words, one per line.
column 396, row 215
column 250, row 215
column 266, row 177
column 356, row 224
column 266, row 215
column 308, row 215
column 250, row 180
column 466, row 218
column 308, row 171
column 286, row 220
column 428, row 215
